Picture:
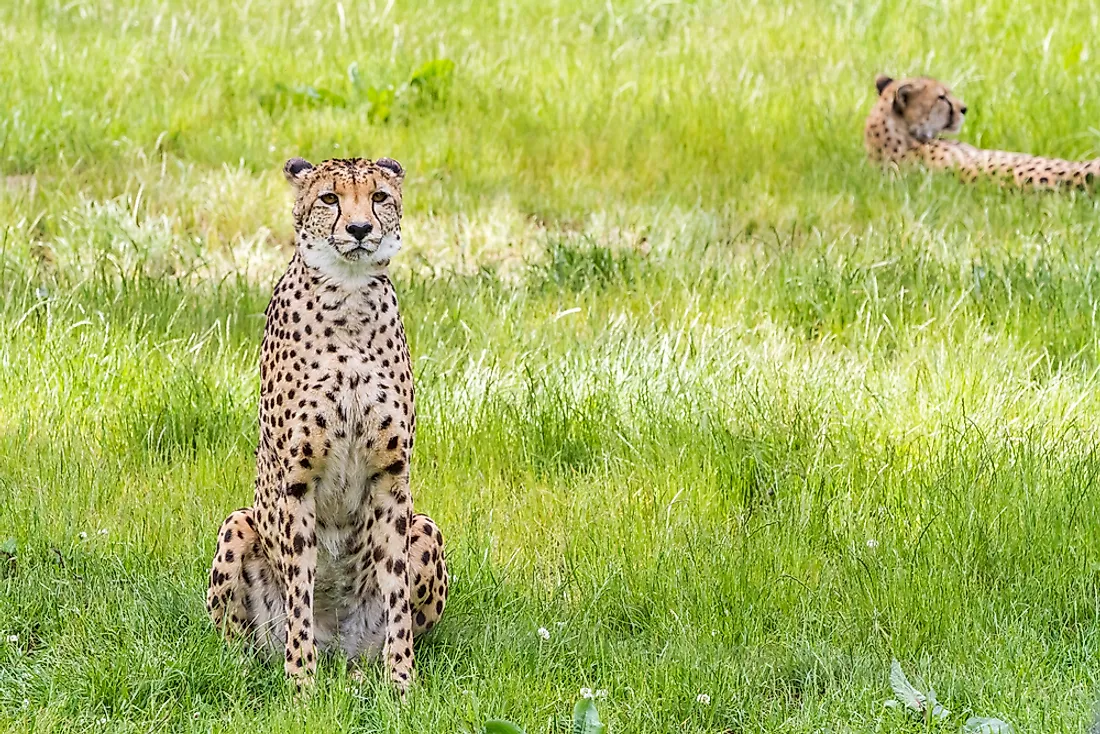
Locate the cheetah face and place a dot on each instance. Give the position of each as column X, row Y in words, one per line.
column 347, row 213
column 926, row 107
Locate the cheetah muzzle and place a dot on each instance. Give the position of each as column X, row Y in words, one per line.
column 331, row 556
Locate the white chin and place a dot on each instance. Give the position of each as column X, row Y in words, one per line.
column 352, row 263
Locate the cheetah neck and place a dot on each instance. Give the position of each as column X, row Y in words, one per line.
column 886, row 138
column 353, row 304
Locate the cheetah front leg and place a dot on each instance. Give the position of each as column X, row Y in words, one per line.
column 427, row 573
column 299, row 568
column 390, row 553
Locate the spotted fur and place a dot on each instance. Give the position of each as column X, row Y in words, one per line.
column 331, row 555
column 910, row 116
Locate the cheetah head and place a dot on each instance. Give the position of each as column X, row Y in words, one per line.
column 925, row 107
column 347, row 213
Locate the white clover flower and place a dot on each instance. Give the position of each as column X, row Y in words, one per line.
column 102, row 721
column 544, row 633
column 872, row 543
column 83, row 536
column 13, row 639
column 586, row 693
column 703, row 699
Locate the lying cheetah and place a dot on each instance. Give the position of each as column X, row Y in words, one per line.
column 331, row 556
column 909, row 116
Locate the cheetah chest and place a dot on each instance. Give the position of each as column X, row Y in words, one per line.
column 369, row 441
column 367, row 385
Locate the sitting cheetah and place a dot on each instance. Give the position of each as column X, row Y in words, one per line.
column 909, row 116
column 331, row 556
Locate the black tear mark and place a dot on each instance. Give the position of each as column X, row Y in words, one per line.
column 374, row 211
column 335, row 221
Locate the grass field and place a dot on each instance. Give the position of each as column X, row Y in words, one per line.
column 721, row 407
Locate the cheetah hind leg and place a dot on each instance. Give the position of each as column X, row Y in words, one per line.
column 243, row 598
column 427, row 574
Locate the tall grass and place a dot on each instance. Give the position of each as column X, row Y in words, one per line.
column 721, row 407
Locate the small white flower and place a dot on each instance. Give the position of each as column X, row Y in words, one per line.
column 271, row 149
column 102, row 721
column 714, row 633
column 872, row 543
column 586, row 693
column 703, row 699
column 544, row 633
column 83, row 536
column 13, row 639
column 26, row 702
column 601, row 693
column 102, row 532
column 196, row 716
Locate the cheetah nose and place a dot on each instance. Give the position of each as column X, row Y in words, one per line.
column 963, row 109
column 359, row 230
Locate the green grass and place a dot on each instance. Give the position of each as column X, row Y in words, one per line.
column 719, row 405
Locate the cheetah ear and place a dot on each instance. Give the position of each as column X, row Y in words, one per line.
column 295, row 170
column 902, row 97
column 392, row 166
column 881, row 81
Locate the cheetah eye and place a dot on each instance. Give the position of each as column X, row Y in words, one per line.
column 943, row 97
column 329, row 198
column 379, row 196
